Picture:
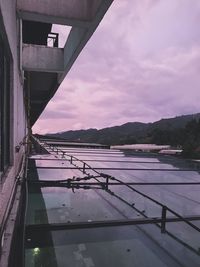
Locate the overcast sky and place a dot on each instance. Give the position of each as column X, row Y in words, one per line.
column 141, row 64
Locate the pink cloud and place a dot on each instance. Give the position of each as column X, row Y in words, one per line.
column 141, row 64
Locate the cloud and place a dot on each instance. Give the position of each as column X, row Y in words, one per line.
column 54, row 114
column 142, row 64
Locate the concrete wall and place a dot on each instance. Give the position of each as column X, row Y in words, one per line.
column 42, row 58
column 9, row 29
column 70, row 12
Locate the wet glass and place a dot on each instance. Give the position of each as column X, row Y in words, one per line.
column 50, row 204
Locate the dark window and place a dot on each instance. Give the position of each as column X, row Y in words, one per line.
column 4, row 108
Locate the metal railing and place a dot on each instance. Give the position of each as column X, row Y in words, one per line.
column 108, row 180
column 53, row 39
column 105, row 185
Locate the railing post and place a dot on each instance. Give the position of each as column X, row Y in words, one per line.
column 163, row 223
column 107, row 181
column 84, row 167
column 71, row 160
column 56, row 41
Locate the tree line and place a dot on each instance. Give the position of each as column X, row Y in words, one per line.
column 188, row 138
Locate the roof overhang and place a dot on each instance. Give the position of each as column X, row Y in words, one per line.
column 46, row 67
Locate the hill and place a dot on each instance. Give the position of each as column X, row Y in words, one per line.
column 164, row 131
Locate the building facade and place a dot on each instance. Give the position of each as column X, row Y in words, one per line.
column 30, row 74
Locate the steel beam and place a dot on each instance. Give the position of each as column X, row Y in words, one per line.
column 71, row 184
column 98, row 224
column 120, row 169
column 102, row 160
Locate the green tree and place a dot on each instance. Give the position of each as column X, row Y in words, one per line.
column 191, row 143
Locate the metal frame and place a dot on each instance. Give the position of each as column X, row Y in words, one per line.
column 95, row 224
column 117, row 169
column 101, row 160
column 80, row 182
column 66, row 183
column 54, row 37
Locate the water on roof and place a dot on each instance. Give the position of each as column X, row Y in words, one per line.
column 53, row 207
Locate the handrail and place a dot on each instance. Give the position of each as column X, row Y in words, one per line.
column 18, row 179
column 105, row 186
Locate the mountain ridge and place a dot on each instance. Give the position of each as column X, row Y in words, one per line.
column 127, row 133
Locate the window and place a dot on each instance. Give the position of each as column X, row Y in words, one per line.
column 4, row 108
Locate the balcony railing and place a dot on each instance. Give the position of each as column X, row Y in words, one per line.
column 53, row 39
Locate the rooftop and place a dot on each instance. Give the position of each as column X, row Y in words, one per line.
column 104, row 207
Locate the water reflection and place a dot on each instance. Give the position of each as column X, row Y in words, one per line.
column 115, row 246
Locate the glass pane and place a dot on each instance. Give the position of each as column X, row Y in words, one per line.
column 141, row 245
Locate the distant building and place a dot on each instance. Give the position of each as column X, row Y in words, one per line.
column 171, row 151
column 143, row 147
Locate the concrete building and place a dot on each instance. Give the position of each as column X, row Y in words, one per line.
column 30, row 74
column 72, row 204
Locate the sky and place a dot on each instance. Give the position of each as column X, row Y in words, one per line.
column 141, row 64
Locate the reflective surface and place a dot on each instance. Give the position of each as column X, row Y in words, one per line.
column 141, row 245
